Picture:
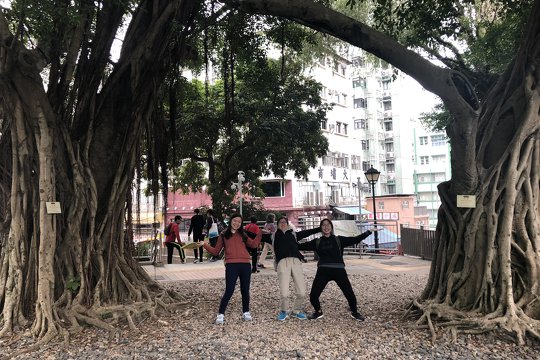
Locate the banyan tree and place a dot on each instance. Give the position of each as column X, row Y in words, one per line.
column 74, row 139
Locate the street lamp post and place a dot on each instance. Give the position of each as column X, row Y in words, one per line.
column 372, row 176
column 238, row 185
column 359, row 186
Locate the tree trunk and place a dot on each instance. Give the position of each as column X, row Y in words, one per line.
column 65, row 269
column 486, row 269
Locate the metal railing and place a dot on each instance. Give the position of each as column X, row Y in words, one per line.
column 418, row 242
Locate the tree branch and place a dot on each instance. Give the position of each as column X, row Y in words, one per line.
column 319, row 17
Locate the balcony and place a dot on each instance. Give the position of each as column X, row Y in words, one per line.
column 387, row 113
column 389, row 155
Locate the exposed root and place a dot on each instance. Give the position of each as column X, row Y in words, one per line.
column 69, row 320
column 44, row 341
column 435, row 315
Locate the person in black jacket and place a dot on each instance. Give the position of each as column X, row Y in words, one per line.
column 197, row 226
column 331, row 266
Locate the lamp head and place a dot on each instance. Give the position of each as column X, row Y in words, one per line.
column 372, row 175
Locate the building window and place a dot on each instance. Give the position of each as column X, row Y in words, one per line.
column 391, row 189
column 423, row 140
column 338, row 127
column 355, row 162
column 360, row 103
column 387, row 105
column 359, row 82
column 365, row 144
column 438, row 140
column 344, row 129
column 439, row 159
column 405, row 204
column 274, row 188
column 385, row 85
column 424, row 160
column 388, row 126
column 324, row 124
column 380, row 205
column 365, row 166
column 390, row 168
column 358, row 62
column 361, row 124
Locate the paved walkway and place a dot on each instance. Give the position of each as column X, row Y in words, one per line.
column 355, row 265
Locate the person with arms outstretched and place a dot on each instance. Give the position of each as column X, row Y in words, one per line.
column 331, row 266
column 235, row 241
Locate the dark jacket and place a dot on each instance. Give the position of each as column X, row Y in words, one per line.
column 329, row 251
column 197, row 225
column 286, row 243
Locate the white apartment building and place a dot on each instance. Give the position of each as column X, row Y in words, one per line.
column 432, row 166
column 368, row 126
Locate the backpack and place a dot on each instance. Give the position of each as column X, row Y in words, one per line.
column 167, row 230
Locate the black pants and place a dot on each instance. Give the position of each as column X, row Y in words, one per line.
column 213, row 242
column 232, row 273
column 254, row 255
column 323, row 277
column 170, row 249
column 198, row 252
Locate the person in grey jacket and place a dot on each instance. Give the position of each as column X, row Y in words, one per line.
column 331, row 266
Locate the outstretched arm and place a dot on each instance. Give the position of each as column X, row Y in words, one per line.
column 305, row 233
column 352, row 240
column 308, row 245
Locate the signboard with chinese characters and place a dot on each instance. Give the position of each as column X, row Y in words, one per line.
column 53, row 208
column 384, row 216
column 466, row 201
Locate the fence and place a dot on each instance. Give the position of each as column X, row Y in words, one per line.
column 418, row 242
column 388, row 238
column 147, row 245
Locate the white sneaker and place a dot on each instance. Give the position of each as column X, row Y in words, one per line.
column 220, row 319
column 247, row 316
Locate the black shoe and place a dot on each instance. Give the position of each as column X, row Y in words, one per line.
column 303, row 260
column 357, row 316
column 316, row 315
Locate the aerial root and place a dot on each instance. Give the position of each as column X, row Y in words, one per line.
column 439, row 315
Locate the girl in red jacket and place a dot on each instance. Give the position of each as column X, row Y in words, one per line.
column 237, row 264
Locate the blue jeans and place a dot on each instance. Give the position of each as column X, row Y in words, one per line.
column 232, row 273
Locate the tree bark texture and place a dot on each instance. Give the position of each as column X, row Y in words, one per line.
column 76, row 143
